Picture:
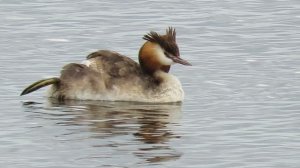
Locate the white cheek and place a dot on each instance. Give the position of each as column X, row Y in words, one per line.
column 162, row 57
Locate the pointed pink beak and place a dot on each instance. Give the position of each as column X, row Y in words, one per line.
column 180, row 60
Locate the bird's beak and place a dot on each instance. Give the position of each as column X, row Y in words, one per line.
column 180, row 60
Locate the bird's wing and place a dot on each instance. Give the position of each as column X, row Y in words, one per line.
column 113, row 64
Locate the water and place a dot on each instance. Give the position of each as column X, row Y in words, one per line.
column 242, row 100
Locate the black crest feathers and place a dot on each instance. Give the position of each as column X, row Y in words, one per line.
column 171, row 33
column 167, row 41
column 157, row 38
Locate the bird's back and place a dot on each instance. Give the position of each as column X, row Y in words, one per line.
column 112, row 64
column 105, row 75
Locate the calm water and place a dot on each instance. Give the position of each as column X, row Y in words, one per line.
column 242, row 105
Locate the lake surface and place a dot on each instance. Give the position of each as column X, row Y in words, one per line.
column 242, row 94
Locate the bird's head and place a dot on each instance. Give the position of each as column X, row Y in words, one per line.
column 160, row 52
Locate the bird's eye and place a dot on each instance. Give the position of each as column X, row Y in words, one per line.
column 166, row 54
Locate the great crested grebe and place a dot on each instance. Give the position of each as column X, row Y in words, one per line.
column 107, row 75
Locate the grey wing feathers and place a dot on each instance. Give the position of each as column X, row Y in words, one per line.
column 100, row 53
column 74, row 71
column 113, row 64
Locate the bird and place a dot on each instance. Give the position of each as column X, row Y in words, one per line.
column 109, row 76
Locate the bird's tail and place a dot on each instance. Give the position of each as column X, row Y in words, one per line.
column 39, row 84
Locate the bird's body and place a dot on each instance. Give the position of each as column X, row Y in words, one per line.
column 107, row 75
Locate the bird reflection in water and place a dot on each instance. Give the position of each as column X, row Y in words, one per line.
column 150, row 124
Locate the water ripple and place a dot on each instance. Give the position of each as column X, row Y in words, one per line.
column 241, row 105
